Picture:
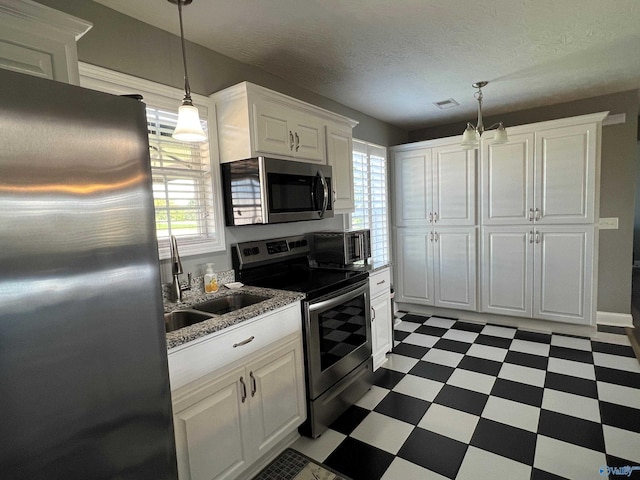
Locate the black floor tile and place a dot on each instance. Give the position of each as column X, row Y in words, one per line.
column 620, row 416
column 434, row 452
column 505, row 440
column 527, row 360
column 571, row 354
column 452, row 345
column 399, row 336
column 492, row 341
column 432, row 371
column 410, row 317
column 533, row 336
column 570, row 384
column 542, row 475
column 359, row 460
column 468, row 326
column 461, row 399
column 385, row 378
column 480, row 365
column 618, row 377
column 431, row 330
column 612, row 349
column 409, row 350
column 518, row 392
column 402, row 407
column 571, row 430
column 349, row 420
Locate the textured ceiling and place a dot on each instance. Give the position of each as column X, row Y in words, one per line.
column 393, row 59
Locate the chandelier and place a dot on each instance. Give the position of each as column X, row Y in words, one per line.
column 472, row 134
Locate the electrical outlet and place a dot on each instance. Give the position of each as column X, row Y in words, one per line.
column 610, row 223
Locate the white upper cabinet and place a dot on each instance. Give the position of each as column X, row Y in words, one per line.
column 435, row 184
column 545, row 174
column 340, row 157
column 40, row 41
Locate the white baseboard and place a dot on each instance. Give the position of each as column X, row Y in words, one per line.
column 614, row 319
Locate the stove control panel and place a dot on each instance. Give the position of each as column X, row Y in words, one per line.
column 263, row 251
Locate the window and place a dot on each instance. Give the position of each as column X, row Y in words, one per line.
column 184, row 176
column 370, row 192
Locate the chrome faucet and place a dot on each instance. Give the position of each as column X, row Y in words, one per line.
column 175, row 295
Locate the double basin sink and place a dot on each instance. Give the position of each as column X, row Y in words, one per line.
column 206, row 310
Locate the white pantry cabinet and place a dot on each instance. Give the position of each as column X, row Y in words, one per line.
column 546, row 174
column 39, row 40
column 381, row 315
column 435, row 184
column 437, row 267
column 541, row 271
column 227, row 419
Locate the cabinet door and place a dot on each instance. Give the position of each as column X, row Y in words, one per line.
column 210, row 430
column 381, row 330
column 273, row 130
column 454, row 185
column 413, row 187
column 454, row 252
column 277, row 395
column 564, row 274
column 507, row 176
column 565, row 174
column 308, row 137
column 340, row 157
column 507, row 270
column 415, row 271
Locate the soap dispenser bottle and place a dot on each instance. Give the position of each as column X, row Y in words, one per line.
column 210, row 280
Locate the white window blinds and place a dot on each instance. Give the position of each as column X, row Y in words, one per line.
column 370, row 191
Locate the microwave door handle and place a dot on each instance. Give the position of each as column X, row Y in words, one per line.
column 325, row 190
column 357, row 246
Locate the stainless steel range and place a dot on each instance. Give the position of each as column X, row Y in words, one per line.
column 336, row 322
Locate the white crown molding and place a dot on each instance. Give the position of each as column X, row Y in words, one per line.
column 47, row 18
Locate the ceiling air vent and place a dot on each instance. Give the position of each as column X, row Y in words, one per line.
column 445, row 104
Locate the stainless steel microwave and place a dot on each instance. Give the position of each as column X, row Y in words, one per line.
column 341, row 248
column 269, row 190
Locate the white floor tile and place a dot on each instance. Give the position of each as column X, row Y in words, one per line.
column 622, row 443
column 479, row 464
column 419, row 387
column 400, row 363
column 383, row 432
column 534, row 348
column 518, row 373
column 571, row 342
column 569, row 367
column 629, row 364
column 372, row 398
column 512, row 413
column 319, row 448
column 449, row 422
column 619, row 394
column 570, row 404
column 496, row 331
column 478, row 382
column 485, row 351
column 568, row 460
column 401, row 469
column 460, row 336
column 406, row 326
column 440, row 322
column 443, row 357
column 421, row 340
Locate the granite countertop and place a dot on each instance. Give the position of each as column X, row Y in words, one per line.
column 277, row 299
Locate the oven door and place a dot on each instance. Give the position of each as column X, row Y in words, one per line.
column 337, row 336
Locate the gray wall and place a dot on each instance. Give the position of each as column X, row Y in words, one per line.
column 636, row 228
column 617, row 183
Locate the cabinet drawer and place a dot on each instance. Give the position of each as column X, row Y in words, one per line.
column 200, row 357
column 380, row 282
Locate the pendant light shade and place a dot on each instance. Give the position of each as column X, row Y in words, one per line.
column 471, row 135
column 188, row 128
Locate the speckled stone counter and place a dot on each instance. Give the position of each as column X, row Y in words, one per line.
column 276, row 299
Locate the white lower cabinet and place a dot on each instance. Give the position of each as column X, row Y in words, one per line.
column 381, row 316
column 228, row 419
column 437, row 267
column 543, row 272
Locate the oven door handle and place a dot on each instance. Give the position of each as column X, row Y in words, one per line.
column 331, row 302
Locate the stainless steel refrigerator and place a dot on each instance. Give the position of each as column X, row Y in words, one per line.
column 84, row 385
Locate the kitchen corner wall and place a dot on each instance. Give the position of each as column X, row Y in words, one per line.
column 617, row 183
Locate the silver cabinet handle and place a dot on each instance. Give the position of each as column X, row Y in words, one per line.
column 531, row 214
column 373, row 314
column 297, row 141
column 290, row 140
column 244, row 390
column 435, row 217
column 254, row 386
column 381, row 282
column 537, row 237
column 435, row 236
column 431, row 236
column 244, row 342
column 430, row 217
column 538, row 214
column 531, row 236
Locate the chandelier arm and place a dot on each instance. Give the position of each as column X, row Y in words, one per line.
column 495, row 125
column 480, row 126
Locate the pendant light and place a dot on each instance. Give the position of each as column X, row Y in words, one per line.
column 471, row 135
column 188, row 128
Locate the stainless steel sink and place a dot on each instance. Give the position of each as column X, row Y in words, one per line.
column 183, row 318
column 229, row 303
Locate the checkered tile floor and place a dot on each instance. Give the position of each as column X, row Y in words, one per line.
column 460, row 400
